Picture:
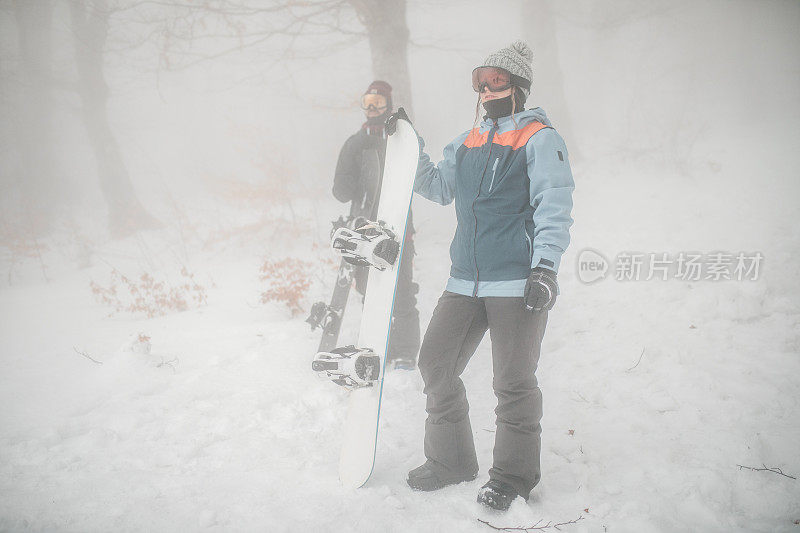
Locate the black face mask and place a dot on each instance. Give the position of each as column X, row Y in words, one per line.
column 501, row 107
column 380, row 119
column 375, row 125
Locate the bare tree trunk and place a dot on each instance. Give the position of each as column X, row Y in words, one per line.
column 385, row 21
column 38, row 182
column 547, row 89
column 90, row 28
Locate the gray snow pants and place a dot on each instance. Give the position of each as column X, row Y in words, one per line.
column 456, row 328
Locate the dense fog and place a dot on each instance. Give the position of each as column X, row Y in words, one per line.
column 188, row 96
column 166, row 170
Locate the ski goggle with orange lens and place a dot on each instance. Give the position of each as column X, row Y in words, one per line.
column 374, row 101
column 492, row 78
column 496, row 79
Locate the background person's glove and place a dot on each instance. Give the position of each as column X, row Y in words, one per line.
column 391, row 120
column 541, row 290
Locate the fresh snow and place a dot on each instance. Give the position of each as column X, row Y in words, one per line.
column 221, row 425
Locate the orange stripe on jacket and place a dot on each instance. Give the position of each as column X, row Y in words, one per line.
column 514, row 138
column 475, row 139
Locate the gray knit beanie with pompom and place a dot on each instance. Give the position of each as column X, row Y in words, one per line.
column 516, row 59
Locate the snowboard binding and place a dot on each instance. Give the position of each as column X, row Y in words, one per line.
column 326, row 316
column 371, row 244
column 350, row 367
column 322, row 316
column 350, row 222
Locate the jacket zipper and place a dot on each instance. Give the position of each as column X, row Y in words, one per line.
column 494, row 171
column 530, row 245
column 475, row 236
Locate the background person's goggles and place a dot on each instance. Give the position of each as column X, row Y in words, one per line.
column 374, row 101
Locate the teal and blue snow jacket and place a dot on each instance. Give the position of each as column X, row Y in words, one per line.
column 512, row 185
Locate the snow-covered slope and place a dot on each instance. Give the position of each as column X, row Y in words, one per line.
column 221, row 425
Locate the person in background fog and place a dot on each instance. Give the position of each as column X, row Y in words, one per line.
column 358, row 177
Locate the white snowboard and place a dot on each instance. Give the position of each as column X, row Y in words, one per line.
column 361, row 426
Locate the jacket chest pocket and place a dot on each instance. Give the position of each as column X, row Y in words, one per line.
column 498, row 171
column 494, row 173
column 528, row 243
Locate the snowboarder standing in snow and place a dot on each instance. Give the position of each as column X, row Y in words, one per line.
column 359, row 172
column 512, row 185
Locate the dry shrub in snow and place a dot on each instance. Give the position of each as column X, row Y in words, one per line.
column 289, row 280
column 141, row 344
column 148, row 296
column 19, row 246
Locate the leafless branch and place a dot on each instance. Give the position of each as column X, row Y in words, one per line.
column 637, row 362
column 169, row 363
column 581, row 397
column 304, row 20
column 534, row 527
column 227, row 8
column 438, row 45
column 87, row 356
column 775, row 470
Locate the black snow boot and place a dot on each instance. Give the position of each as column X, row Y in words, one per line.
column 425, row 478
column 497, row 495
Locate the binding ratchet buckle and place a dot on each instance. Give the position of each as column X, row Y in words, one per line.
column 372, row 244
column 349, row 366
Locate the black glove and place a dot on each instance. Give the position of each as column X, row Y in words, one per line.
column 541, row 290
column 391, row 120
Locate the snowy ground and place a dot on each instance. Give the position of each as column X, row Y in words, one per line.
column 223, row 427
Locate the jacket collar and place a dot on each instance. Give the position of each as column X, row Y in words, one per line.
column 537, row 114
